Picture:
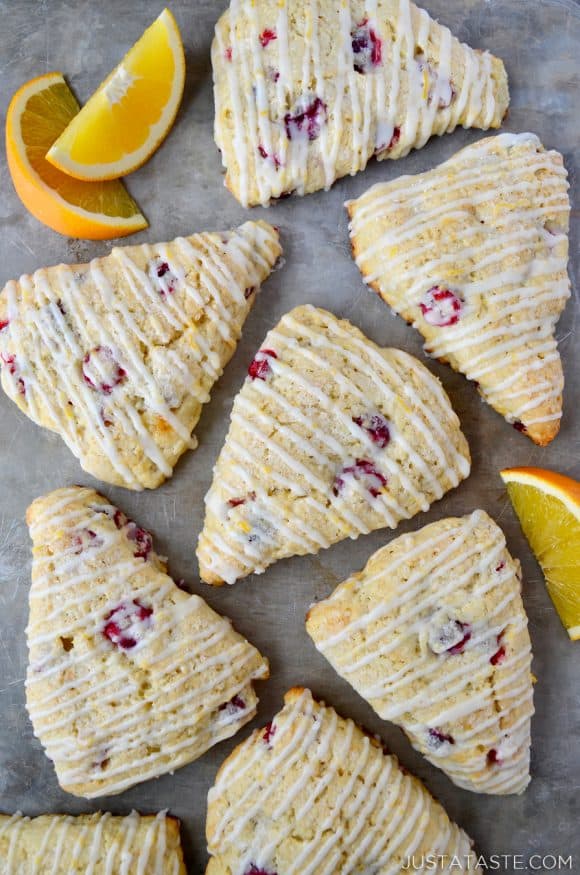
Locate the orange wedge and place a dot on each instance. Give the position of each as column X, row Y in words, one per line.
column 548, row 507
column 131, row 112
column 38, row 113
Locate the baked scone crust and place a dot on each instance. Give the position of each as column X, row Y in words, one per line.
column 91, row 844
column 474, row 255
column 313, row 794
column 129, row 677
column 330, row 437
column 118, row 356
column 308, row 91
column 433, row 633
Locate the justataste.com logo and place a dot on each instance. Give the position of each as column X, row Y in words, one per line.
column 493, row 863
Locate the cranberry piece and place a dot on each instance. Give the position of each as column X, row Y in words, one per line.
column 376, row 427
column 367, row 48
column 85, row 538
column 101, row 371
column 364, row 472
column 236, row 502
column 125, row 624
column 120, row 519
column 267, row 36
column 268, row 733
column 142, row 539
column 395, row 137
column 228, row 53
column 251, row 290
column 493, row 758
column 441, row 307
column 235, row 704
column 448, row 635
column 498, row 656
column 10, row 360
column 460, row 646
column 519, row 426
column 162, row 277
column 501, row 566
column 265, row 155
column 500, row 653
column 258, row 870
column 306, row 120
column 437, row 738
column 260, row 366
column 4, row 323
column 274, row 74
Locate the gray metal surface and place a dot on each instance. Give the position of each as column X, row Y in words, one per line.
column 181, row 191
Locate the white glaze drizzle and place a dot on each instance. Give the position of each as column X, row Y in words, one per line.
column 88, row 704
column 275, row 432
column 68, row 842
column 411, row 257
column 147, row 324
column 366, row 813
column 451, row 558
column 257, row 86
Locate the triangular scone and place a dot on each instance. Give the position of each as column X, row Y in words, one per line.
column 474, row 255
column 308, row 92
column 128, row 676
column 433, row 633
column 92, row 844
column 119, row 355
column 314, row 793
column 330, row 437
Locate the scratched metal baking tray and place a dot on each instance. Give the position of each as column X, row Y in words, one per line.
column 181, row 191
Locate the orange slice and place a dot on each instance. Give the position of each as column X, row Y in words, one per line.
column 548, row 507
column 39, row 111
column 131, row 112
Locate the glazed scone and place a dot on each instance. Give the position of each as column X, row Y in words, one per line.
column 91, row 844
column 119, row 355
column 129, row 677
column 330, row 437
column 313, row 794
column 433, row 634
column 474, row 255
column 308, row 91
